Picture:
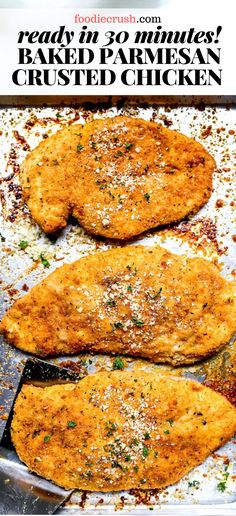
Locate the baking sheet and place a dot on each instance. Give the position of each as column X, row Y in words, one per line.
column 210, row 233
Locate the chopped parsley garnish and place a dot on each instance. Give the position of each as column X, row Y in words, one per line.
column 58, row 115
column 221, row 486
column 89, row 464
column 118, row 325
column 87, row 474
column 147, row 436
column 71, row 424
column 118, row 154
column 166, row 432
column 129, row 288
column 171, row 421
column 147, row 197
column 3, row 239
column 23, row 244
column 97, row 158
column 127, row 458
column 155, row 296
column 44, row 261
column 111, row 302
column 35, row 433
column 171, row 171
column 134, row 442
column 118, row 363
column 47, row 438
column 137, row 321
column 93, row 145
column 145, row 452
column 79, row 147
column 128, row 146
column 194, row 483
column 135, row 469
column 116, row 464
column 143, row 481
column 111, row 427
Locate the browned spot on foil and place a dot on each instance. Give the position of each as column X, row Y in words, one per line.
column 201, row 232
column 12, row 291
column 225, row 459
column 166, row 121
column 11, row 192
column 13, row 163
column 4, row 417
column 48, row 120
column 206, row 131
column 2, row 197
column 100, row 502
column 120, row 504
column 72, row 365
column 21, row 140
column 234, row 238
column 31, row 122
column 75, row 118
column 83, row 499
column 227, row 388
column 144, row 497
column 78, row 366
column 219, row 203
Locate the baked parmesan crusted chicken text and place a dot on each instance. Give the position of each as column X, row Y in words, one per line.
column 119, row 430
column 118, row 177
column 142, row 301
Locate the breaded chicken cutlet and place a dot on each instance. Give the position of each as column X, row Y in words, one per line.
column 119, row 430
column 141, row 301
column 118, row 177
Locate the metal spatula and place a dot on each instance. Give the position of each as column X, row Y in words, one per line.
column 22, row 492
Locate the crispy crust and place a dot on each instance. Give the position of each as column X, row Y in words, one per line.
column 118, row 177
column 142, row 301
column 119, row 430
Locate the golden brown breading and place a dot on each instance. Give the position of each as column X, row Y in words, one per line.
column 119, row 430
column 142, row 301
column 118, row 177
